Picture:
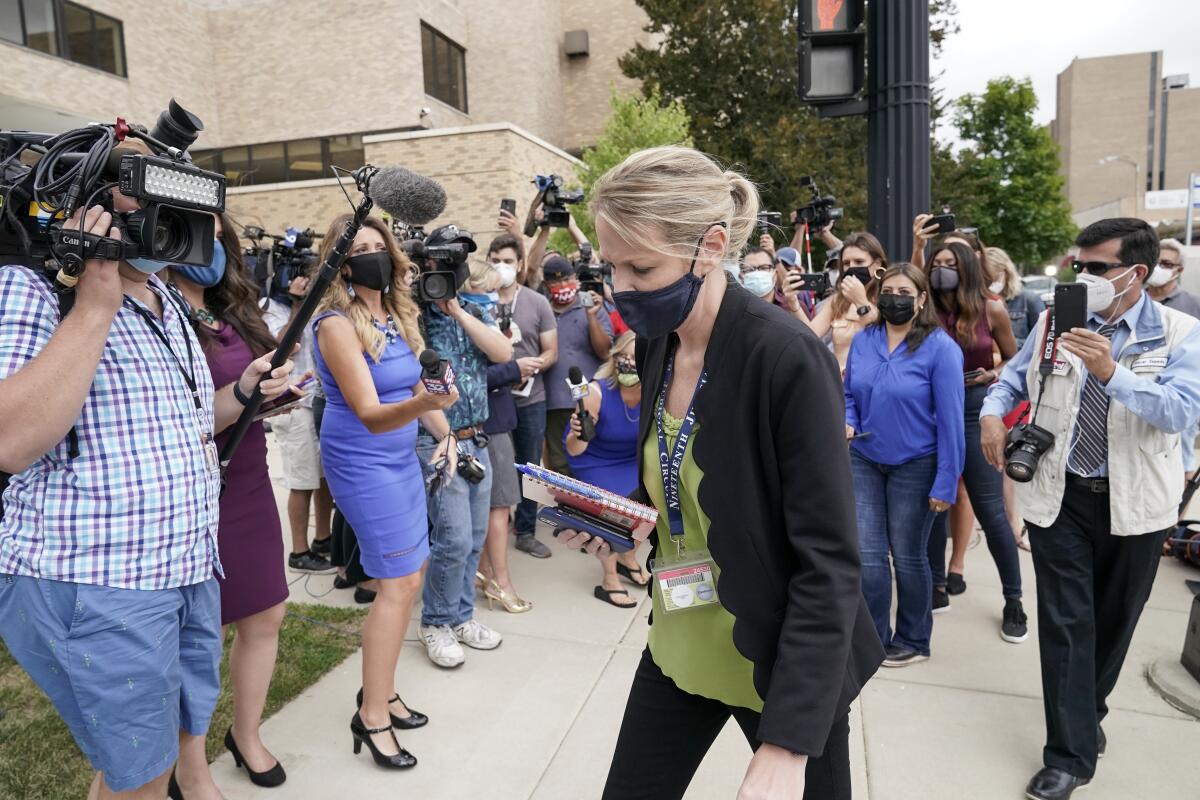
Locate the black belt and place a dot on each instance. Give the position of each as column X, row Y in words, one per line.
column 1093, row 485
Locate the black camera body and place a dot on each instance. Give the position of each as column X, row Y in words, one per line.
column 46, row 177
column 768, row 220
column 1027, row 443
column 469, row 467
column 554, row 200
column 445, row 252
column 279, row 261
column 820, row 211
column 591, row 276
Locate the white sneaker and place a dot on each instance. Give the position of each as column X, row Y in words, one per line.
column 474, row 633
column 442, row 646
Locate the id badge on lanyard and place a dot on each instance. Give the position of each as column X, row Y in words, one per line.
column 685, row 578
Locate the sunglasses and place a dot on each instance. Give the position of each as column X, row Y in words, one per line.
column 1096, row 267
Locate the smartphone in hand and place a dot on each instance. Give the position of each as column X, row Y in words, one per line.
column 510, row 205
column 1070, row 307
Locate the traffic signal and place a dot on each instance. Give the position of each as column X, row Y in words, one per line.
column 832, row 50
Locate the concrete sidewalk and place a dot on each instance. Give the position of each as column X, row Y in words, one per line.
column 538, row 717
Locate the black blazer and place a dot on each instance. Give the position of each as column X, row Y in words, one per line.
column 779, row 495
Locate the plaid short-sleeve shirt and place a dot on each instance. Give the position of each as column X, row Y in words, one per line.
column 137, row 507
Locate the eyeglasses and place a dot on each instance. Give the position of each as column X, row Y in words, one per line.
column 1096, row 267
column 1169, row 265
column 759, row 268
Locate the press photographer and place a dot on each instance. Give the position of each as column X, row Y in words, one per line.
column 107, row 418
column 1111, row 395
column 466, row 335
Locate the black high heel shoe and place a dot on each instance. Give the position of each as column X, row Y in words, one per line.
column 362, row 734
column 275, row 776
column 414, row 720
column 173, row 790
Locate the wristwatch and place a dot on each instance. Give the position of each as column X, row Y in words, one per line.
column 863, row 310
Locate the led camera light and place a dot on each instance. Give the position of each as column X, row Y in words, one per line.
column 179, row 183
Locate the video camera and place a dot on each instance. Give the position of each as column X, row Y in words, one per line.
column 820, row 210
column 591, row 276
column 275, row 264
column 45, row 178
column 554, row 200
column 444, row 267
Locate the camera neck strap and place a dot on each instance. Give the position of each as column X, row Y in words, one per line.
column 188, row 373
column 1046, row 365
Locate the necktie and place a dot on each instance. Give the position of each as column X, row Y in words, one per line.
column 1089, row 446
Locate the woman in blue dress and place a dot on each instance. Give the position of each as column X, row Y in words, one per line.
column 367, row 338
column 610, row 459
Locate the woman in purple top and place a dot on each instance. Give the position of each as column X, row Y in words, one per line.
column 232, row 333
column 610, row 459
column 976, row 320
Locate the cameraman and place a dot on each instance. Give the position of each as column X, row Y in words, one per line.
column 538, row 253
column 1106, row 490
column 465, row 334
column 584, row 341
column 108, row 539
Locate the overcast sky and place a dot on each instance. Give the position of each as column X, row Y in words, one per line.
column 1038, row 39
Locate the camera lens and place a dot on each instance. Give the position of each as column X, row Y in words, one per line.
column 437, row 285
column 171, row 236
column 1020, row 467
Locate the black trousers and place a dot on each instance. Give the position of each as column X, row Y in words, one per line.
column 667, row 732
column 1091, row 588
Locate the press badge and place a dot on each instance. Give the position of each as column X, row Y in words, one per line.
column 685, row 581
column 1149, row 364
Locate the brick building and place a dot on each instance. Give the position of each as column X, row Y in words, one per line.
column 479, row 94
column 1125, row 129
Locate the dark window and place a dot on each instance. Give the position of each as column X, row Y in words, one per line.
column 279, row 162
column 66, row 29
column 445, row 67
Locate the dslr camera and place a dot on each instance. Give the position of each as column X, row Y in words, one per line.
column 820, row 211
column 1027, row 443
column 45, row 178
column 591, row 276
column 469, row 467
column 554, row 200
column 444, row 253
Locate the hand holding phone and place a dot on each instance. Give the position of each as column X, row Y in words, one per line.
column 1070, row 307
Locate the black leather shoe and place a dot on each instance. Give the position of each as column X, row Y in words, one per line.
column 1052, row 783
column 275, row 776
column 363, row 596
column 1101, row 742
column 414, row 720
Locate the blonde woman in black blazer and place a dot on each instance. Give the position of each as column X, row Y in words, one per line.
column 776, row 491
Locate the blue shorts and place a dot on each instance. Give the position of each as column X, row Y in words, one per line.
column 126, row 669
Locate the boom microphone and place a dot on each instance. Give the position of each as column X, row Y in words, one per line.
column 579, row 390
column 411, row 198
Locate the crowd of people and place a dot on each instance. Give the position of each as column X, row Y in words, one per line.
column 717, row 385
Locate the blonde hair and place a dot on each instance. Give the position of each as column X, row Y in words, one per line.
column 1004, row 270
column 397, row 301
column 673, row 195
column 608, row 371
column 483, row 278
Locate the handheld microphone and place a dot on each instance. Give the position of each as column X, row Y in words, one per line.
column 436, row 374
column 579, row 390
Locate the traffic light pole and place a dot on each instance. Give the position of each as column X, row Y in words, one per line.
column 898, row 159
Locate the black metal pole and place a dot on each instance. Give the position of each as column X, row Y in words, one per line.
column 327, row 273
column 897, row 120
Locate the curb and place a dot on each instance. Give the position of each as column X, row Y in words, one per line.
column 1176, row 685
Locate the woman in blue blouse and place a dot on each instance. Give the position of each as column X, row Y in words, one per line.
column 904, row 420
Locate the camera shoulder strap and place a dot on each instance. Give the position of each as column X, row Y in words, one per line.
column 1049, row 347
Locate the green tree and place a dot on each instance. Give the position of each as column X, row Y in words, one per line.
column 1018, row 202
column 636, row 122
column 733, row 64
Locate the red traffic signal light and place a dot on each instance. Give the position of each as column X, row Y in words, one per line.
column 832, row 50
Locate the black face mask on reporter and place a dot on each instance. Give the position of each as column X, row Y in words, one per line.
column 897, row 309
column 371, row 270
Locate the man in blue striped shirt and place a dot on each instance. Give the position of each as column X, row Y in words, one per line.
column 108, row 537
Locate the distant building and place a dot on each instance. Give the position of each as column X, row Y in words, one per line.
column 480, row 94
column 1125, row 129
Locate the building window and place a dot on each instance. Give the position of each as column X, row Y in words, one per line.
column 445, row 67
column 65, row 29
column 281, row 162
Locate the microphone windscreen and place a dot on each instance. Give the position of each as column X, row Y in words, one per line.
column 575, row 374
column 430, row 359
column 407, row 196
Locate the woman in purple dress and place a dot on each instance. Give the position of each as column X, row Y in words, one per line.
column 230, row 327
column 609, row 460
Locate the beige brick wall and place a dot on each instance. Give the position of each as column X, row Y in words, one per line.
column 1183, row 137
column 476, row 167
column 613, row 27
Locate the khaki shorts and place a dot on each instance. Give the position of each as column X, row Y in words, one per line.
column 296, row 435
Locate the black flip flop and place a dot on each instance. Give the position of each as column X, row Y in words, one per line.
column 606, row 595
column 627, row 573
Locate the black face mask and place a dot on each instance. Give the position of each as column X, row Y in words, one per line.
column 897, row 308
column 371, row 270
column 862, row 273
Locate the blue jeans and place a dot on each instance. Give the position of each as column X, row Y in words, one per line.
column 985, row 487
column 458, row 516
column 527, row 449
column 893, row 513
